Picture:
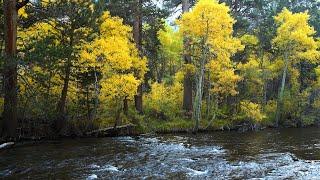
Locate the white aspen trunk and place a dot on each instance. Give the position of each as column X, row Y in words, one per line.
column 281, row 92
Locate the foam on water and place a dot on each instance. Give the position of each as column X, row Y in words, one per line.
column 92, row 176
column 109, row 168
column 209, row 150
column 171, row 147
column 94, row 166
column 125, row 139
column 186, row 160
column 297, row 170
column 193, row 172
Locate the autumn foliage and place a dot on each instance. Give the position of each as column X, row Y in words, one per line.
column 79, row 62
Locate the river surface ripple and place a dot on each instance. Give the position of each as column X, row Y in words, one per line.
column 270, row 154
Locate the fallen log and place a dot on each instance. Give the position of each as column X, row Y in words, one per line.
column 6, row 145
column 125, row 130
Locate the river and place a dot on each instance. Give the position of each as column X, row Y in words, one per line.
column 270, row 154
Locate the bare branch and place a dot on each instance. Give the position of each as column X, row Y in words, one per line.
column 21, row 4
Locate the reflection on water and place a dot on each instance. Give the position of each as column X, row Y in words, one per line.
column 271, row 154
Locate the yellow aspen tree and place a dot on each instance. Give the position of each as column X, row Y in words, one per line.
column 295, row 42
column 209, row 28
column 115, row 54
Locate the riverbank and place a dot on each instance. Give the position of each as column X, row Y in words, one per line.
column 152, row 126
column 187, row 126
column 166, row 130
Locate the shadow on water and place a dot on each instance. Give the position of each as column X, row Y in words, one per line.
column 303, row 143
column 270, row 154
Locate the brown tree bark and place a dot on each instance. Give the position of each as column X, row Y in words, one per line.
column 10, row 121
column 125, row 106
column 187, row 83
column 137, row 30
column 61, row 108
column 118, row 119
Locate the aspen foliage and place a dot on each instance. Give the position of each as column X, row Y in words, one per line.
column 295, row 42
column 249, row 40
column 295, row 36
column 77, row 55
column 171, row 50
column 211, row 21
column 115, row 54
column 252, row 111
column 166, row 99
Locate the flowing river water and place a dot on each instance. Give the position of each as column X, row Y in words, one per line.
column 270, row 154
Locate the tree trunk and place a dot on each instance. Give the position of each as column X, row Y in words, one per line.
column 200, row 85
column 208, row 111
column 88, row 102
column 61, row 109
column 137, row 30
column 198, row 98
column 125, row 106
column 187, row 93
column 281, row 92
column 10, row 121
column 118, row 117
column 215, row 109
column 187, row 83
column 96, row 98
column 1, row 45
column 264, row 78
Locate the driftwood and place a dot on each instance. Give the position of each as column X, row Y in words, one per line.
column 124, row 130
column 184, row 130
column 6, row 145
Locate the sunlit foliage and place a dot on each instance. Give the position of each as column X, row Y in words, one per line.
column 114, row 53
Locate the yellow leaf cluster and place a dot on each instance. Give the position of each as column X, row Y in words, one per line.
column 171, row 46
column 119, row 86
column 208, row 17
column 38, row 31
column 251, row 70
column 249, row 40
column 117, row 56
column 275, row 67
column 225, row 82
column 179, row 76
column 22, row 13
column 165, row 99
column 252, row 110
column 211, row 20
column 295, row 36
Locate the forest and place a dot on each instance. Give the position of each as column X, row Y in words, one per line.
column 74, row 66
column 160, row 89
